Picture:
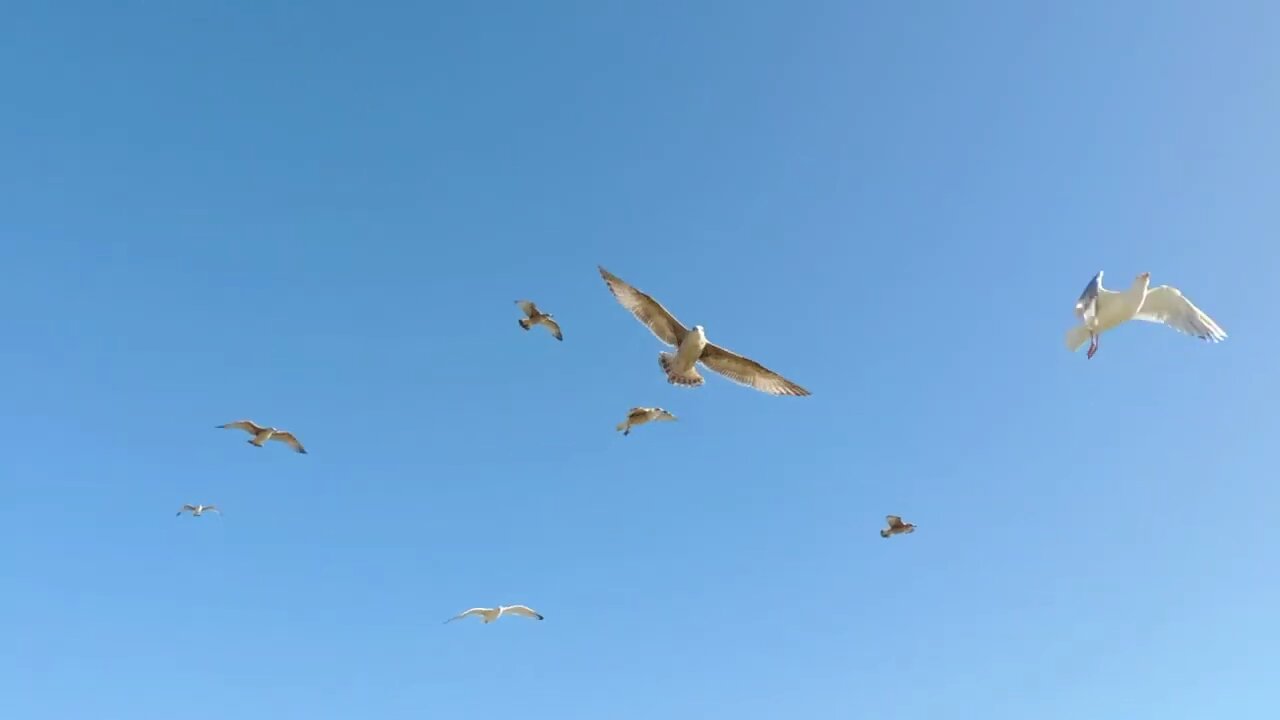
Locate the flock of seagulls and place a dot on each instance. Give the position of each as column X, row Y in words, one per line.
column 1097, row 308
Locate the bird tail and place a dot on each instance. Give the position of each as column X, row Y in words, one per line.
column 1077, row 337
column 688, row 378
column 524, row 323
column 884, row 533
column 622, row 426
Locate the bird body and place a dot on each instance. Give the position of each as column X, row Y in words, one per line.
column 681, row 368
column 198, row 510
column 1100, row 310
column 896, row 527
column 692, row 346
column 641, row 415
column 262, row 434
column 534, row 316
column 488, row 615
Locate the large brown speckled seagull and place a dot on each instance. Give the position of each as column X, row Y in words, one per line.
column 692, row 346
column 262, row 434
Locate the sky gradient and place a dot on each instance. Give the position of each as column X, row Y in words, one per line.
column 318, row 216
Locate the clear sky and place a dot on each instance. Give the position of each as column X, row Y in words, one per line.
column 317, row 215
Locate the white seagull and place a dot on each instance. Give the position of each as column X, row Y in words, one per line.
column 198, row 510
column 1100, row 310
column 262, row 434
column 488, row 615
column 641, row 415
column 534, row 316
column 692, row 346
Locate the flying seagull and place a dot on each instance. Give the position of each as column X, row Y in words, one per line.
column 896, row 526
column 641, row 415
column 262, row 434
column 1100, row 310
column 534, row 316
column 692, row 346
column 198, row 510
column 488, row 615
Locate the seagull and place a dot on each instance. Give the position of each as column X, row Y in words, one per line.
column 642, row 415
column 692, row 346
column 1100, row 310
column 198, row 510
column 491, row 614
column 262, row 434
column 537, row 317
column 896, row 526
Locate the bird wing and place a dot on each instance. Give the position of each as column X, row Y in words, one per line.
column 522, row 610
column 212, row 508
column 247, row 425
column 1167, row 305
column 1087, row 305
column 284, row 436
column 528, row 307
column 472, row 611
column 647, row 310
column 893, row 520
column 637, row 412
column 748, row 372
column 553, row 326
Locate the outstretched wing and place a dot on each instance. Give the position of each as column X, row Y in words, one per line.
column 248, row 426
column 522, row 611
column 893, row 520
column 472, row 611
column 553, row 326
column 647, row 310
column 212, row 508
column 748, row 372
column 287, row 437
column 528, row 307
column 1087, row 305
column 1167, row 305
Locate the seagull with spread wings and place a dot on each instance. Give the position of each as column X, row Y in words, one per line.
column 1100, row 310
column 262, row 434
column 198, row 510
column 692, row 346
column 488, row 615
column 641, row 415
column 534, row 316
column 896, row 527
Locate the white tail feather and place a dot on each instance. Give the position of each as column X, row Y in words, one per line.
column 689, row 377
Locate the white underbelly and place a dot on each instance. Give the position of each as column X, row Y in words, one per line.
column 689, row 352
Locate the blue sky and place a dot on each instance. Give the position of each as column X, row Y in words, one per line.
column 318, row 215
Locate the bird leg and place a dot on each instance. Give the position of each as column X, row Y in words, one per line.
column 1093, row 345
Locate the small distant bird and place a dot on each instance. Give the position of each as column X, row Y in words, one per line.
column 692, row 346
column 262, row 434
column 641, row 415
column 198, row 510
column 1100, row 310
column 537, row 317
column 896, row 527
column 491, row 614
